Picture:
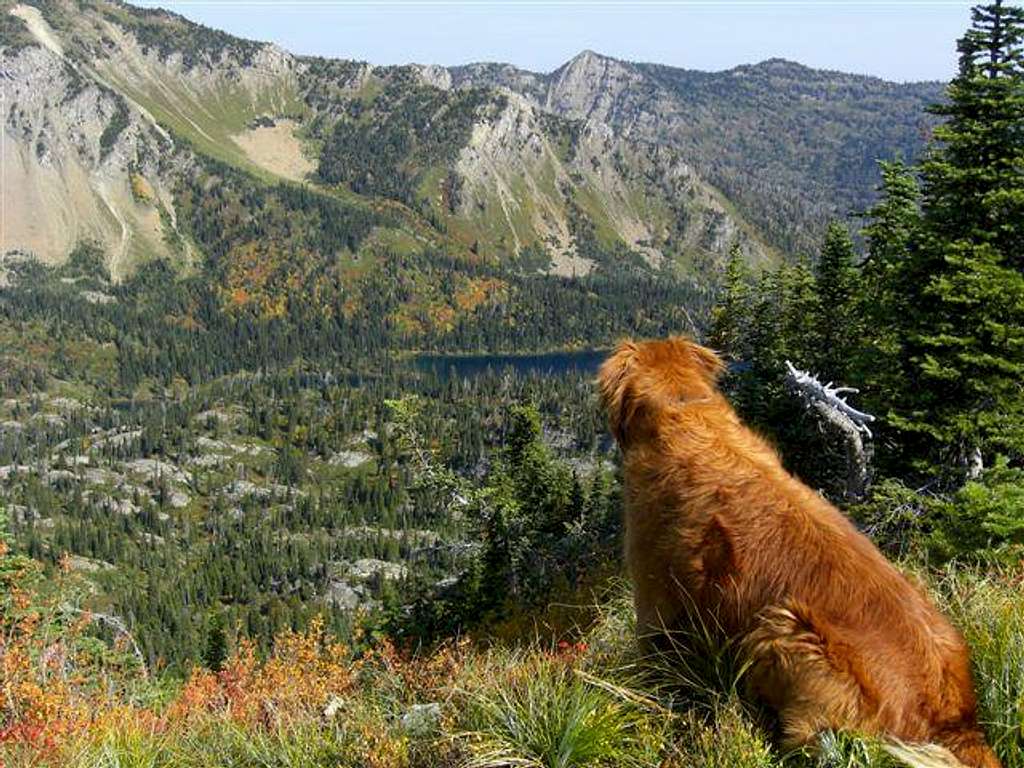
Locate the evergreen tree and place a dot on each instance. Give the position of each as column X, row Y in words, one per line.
column 838, row 320
column 892, row 230
column 801, row 315
column 882, row 367
column 215, row 650
column 964, row 327
column 730, row 315
column 758, row 383
column 523, row 436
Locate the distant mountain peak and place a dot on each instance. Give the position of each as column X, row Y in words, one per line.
column 598, row 158
column 586, row 59
column 778, row 62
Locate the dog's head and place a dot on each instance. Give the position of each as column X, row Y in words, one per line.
column 641, row 378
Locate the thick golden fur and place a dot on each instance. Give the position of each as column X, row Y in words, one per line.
column 836, row 636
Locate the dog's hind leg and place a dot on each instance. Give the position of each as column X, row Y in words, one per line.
column 802, row 668
column 794, row 666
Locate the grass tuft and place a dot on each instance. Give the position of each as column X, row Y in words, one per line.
column 989, row 610
column 541, row 714
column 726, row 739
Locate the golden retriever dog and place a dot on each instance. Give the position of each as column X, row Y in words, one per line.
column 835, row 636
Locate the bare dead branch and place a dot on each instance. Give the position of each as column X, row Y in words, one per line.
column 117, row 624
column 851, row 424
column 813, row 391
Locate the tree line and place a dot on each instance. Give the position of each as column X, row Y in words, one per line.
column 929, row 324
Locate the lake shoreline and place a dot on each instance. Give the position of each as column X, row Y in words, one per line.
column 468, row 365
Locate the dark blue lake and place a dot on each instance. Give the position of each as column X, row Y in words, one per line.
column 584, row 361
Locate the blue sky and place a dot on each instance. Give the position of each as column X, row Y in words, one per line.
column 910, row 40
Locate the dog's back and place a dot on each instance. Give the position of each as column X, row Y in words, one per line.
column 836, row 636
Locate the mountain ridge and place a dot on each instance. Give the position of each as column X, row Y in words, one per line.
column 771, row 62
column 598, row 161
column 700, row 113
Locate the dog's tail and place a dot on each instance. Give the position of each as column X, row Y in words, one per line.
column 921, row 755
column 964, row 749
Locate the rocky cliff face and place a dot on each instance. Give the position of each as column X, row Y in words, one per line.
column 595, row 88
column 599, row 163
column 100, row 123
column 84, row 162
column 575, row 191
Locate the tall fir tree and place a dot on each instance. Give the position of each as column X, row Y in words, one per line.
column 892, row 230
column 800, row 315
column 761, row 381
column 215, row 649
column 964, row 320
column 730, row 315
column 838, row 322
column 882, row 369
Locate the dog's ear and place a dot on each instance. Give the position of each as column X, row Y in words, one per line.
column 708, row 361
column 613, row 382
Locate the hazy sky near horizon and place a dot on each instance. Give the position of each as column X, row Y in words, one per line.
column 910, row 40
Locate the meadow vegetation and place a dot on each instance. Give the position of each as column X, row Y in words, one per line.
column 584, row 699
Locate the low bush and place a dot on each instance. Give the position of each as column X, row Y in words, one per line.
column 982, row 522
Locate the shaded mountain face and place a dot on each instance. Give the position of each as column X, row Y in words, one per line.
column 790, row 146
column 115, row 115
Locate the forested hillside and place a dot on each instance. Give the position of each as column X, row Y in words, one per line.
column 789, row 146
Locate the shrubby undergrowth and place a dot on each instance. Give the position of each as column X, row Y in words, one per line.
column 980, row 522
column 590, row 699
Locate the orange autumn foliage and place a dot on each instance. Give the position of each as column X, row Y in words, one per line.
column 303, row 673
column 40, row 664
column 57, row 689
column 478, row 291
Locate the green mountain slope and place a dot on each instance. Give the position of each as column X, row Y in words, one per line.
column 600, row 164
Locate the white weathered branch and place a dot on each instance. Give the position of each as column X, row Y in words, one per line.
column 828, row 402
column 813, row 392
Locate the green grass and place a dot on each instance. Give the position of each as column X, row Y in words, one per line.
column 990, row 613
column 727, row 740
column 428, row 187
column 545, row 715
column 385, row 240
column 370, row 90
column 224, row 745
column 209, row 119
column 594, row 206
column 774, row 255
column 496, row 228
